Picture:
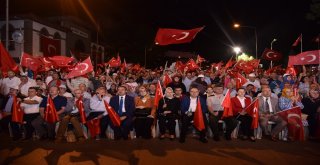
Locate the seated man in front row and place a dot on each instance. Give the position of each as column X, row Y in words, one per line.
column 188, row 108
column 73, row 115
column 124, row 106
column 268, row 107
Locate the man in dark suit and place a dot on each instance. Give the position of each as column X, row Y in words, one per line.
column 268, row 107
column 188, row 107
column 124, row 106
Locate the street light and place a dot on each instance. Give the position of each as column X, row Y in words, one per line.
column 274, row 40
column 237, row 50
column 236, row 25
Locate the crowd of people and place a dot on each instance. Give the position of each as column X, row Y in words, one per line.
column 131, row 95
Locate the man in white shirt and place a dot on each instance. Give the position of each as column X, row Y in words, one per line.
column 8, row 82
column 30, row 106
column 98, row 110
column 215, row 114
column 63, row 91
column 187, row 80
column 252, row 80
column 25, row 84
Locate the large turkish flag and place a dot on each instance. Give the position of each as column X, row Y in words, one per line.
column 175, row 36
column 49, row 47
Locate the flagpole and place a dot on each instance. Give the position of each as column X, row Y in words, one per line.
column 7, row 25
column 301, row 44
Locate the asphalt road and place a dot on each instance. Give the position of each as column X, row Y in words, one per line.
column 154, row 151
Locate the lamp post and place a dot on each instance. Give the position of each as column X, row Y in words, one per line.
column 237, row 50
column 274, row 40
column 7, row 24
column 236, row 25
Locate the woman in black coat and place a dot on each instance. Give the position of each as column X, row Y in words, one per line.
column 312, row 109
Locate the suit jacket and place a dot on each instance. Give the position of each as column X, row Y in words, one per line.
column 274, row 104
column 71, row 103
column 129, row 105
column 185, row 104
column 236, row 105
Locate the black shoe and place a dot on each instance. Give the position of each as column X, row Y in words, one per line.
column 182, row 140
column 216, row 138
column 203, row 140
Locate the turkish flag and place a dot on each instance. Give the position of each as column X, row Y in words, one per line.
column 81, row 68
column 46, row 64
column 307, row 58
column 61, row 61
column 30, row 62
column 198, row 117
column 159, row 94
column 191, row 65
column 229, row 64
column 217, row 66
column 124, row 66
column 253, row 63
column 253, row 111
column 299, row 39
column 114, row 117
column 49, row 47
column 179, row 66
column 82, row 113
column 136, row 67
column 290, row 70
column 114, row 62
column 247, row 67
column 94, row 127
column 273, row 69
column 175, row 36
column 293, row 118
column 240, row 80
column 166, row 80
column 271, row 55
column 17, row 113
column 199, row 59
column 6, row 61
column 50, row 115
column 226, row 104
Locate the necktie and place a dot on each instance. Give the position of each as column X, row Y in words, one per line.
column 120, row 106
column 266, row 104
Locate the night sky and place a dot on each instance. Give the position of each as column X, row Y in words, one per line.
column 128, row 26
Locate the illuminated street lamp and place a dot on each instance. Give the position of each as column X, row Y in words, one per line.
column 237, row 50
column 274, row 40
column 236, row 25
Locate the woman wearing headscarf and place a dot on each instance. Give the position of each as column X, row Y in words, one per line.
column 287, row 101
column 144, row 113
column 167, row 113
